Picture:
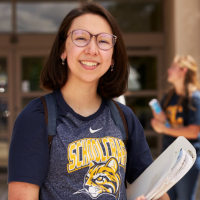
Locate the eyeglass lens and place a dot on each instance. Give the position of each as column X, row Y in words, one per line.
column 82, row 38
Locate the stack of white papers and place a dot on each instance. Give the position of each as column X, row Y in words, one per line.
column 183, row 164
column 165, row 171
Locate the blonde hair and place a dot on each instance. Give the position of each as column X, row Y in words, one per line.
column 186, row 61
column 191, row 79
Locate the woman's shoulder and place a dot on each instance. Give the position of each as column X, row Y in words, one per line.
column 35, row 106
column 196, row 99
column 32, row 114
column 196, row 94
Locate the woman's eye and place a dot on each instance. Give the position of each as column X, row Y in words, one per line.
column 103, row 41
column 80, row 38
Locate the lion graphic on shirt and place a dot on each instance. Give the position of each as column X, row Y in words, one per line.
column 102, row 178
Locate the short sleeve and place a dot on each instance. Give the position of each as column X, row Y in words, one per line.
column 138, row 152
column 28, row 153
column 194, row 113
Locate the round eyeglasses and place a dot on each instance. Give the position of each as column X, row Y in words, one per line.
column 81, row 38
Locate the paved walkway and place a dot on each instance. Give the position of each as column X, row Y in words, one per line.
column 4, row 192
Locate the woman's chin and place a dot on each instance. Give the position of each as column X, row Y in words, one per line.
column 169, row 80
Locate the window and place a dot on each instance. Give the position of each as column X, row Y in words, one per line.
column 142, row 87
column 41, row 17
column 143, row 73
column 3, row 76
column 31, row 68
column 5, row 18
column 140, row 107
column 137, row 15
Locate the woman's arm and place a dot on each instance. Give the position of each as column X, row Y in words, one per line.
column 23, row 191
column 28, row 153
column 189, row 132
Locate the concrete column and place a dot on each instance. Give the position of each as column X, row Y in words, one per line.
column 169, row 35
column 187, row 28
column 182, row 28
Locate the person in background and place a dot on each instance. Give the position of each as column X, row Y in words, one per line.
column 88, row 158
column 181, row 105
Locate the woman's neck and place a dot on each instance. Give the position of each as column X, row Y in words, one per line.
column 179, row 87
column 82, row 97
column 179, row 90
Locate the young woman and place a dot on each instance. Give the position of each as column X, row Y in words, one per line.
column 88, row 159
column 182, row 108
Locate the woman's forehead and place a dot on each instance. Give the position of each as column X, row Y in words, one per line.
column 175, row 65
column 92, row 23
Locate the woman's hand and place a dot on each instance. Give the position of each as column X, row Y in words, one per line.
column 158, row 126
column 141, row 198
column 163, row 197
column 161, row 116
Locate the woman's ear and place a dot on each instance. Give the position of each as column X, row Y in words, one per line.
column 112, row 62
column 63, row 56
column 185, row 69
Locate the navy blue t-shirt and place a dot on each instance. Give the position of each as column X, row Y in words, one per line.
column 183, row 115
column 88, row 158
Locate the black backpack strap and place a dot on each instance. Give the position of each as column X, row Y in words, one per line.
column 123, row 120
column 119, row 119
column 51, row 114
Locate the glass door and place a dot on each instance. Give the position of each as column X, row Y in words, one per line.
column 29, row 65
column 145, row 84
column 6, row 109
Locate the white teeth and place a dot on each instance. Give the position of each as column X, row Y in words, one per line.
column 89, row 63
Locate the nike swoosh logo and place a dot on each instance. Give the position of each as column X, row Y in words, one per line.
column 93, row 131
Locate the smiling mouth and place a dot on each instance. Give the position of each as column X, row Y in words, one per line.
column 89, row 64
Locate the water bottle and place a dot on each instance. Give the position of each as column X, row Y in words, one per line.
column 155, row 105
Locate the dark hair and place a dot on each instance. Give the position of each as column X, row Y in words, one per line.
column 113, row 83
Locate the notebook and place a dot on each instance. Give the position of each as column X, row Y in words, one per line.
column 165, row 171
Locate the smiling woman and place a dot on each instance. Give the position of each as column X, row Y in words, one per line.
column 88, row 158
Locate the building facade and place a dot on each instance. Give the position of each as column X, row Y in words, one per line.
column 153, row 31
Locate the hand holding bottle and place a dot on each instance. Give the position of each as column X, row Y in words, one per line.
column 158, row 113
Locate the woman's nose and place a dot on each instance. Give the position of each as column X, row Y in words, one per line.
column 169, row 70
column 92, row 47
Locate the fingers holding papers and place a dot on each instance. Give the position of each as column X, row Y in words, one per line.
column 141, row 198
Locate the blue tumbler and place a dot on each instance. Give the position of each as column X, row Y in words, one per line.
column 155, row 105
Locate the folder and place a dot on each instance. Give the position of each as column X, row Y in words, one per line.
column 165, row 171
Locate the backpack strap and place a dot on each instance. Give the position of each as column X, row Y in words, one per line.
column 119, row 118
column 51, row 114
